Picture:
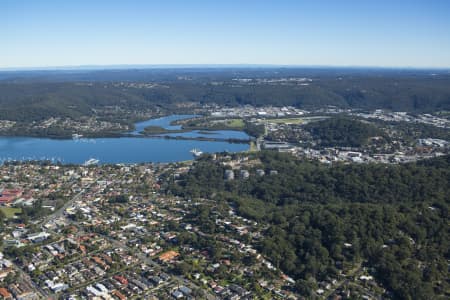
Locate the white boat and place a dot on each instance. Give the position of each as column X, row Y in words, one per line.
column 76, row 136
column 91, row 162
column 196, row 152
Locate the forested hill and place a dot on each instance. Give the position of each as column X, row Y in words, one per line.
column 394, row 217
column 342, row 132
column 73, row 93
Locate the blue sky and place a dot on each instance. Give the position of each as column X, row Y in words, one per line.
column 389, row 33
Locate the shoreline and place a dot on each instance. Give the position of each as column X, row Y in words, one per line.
column 142, row 136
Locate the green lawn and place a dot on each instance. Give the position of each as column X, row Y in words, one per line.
column 235, row 123
column 286, row 121
column 217, row 124
column 10, row 211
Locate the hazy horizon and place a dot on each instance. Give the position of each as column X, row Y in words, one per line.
column 349, row 33
column 209, row 66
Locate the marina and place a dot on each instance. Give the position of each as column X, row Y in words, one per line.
column 196, row 152
column 115, row 150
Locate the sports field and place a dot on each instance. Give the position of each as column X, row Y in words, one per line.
column 10, row 211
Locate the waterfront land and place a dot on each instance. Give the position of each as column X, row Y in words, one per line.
column 59, row 103
column 344, row 193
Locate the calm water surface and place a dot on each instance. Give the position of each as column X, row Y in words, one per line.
column 119, row 150
column 164, row 122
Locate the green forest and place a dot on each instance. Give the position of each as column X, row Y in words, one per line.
column 327, row 219
column 343, row 132
column 30, row 96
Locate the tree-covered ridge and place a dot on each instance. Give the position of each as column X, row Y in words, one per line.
column 342, row 132
column 40, row 95
column 326, row 220
column 26, row 102
column 306, row 181
column 413, row 131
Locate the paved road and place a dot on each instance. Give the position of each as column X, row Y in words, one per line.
column 58, row 213
column 28, row 279
column 151, row 262
column 115, row 243
column 48, row 218
column 138, row 254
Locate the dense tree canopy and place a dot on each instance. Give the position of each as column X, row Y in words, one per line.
column 323, row 219
column 343, row 132
column 29, row 96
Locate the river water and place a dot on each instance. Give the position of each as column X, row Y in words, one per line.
column 121, row 150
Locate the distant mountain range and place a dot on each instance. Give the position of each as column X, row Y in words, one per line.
column 30, row 95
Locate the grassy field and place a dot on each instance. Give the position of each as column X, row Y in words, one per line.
column 216, row 124
column 10, row 211
column 229, row 123
column 235, row 123
column 252, row 147
column 303, row 120
column 286, row 121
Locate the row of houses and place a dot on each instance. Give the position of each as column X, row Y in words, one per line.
column 7, row 196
